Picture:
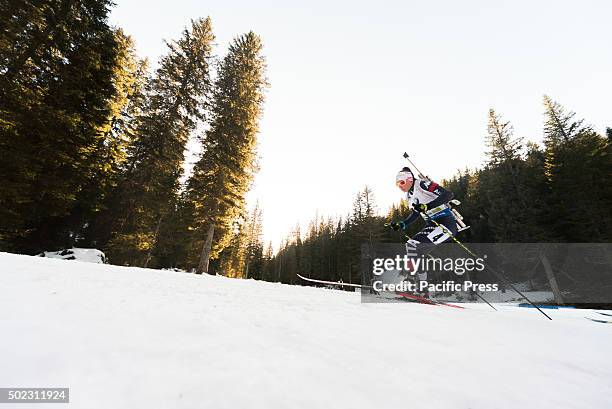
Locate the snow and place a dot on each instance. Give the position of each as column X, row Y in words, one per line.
column 78, row 254
column 502, row 297
column 507, row 296
column 125, row 337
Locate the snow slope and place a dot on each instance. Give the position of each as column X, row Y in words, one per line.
column 135, row 338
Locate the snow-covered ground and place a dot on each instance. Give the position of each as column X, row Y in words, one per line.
column 123, row 337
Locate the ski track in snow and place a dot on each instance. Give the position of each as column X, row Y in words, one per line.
column 122, row 337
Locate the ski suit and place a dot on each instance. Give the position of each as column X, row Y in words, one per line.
column 436, row 198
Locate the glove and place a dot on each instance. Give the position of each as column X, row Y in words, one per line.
column 396, row 225
column 420, row 207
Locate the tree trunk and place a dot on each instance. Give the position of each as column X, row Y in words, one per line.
column 150, row 252
column 551, row 279
column 279, row 264
column 206, row 249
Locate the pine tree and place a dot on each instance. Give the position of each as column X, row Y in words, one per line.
column 109, row 158
column 120, row 137
column 60, row 86
column 243, row 256
column 268, row 263
column 576, row 157
column 174, row 237
column 225, row 171
column 508, row 212
column 559, row 125
column 254, row 244
column 365, row 227
column 232, row 259
column 466, row 188
column 504, row 148
column 177, row 100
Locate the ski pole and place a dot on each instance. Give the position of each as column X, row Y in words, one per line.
column 475, row 292
column 483, row 299
column 498, row 275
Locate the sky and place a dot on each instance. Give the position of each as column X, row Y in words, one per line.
column 354, row 84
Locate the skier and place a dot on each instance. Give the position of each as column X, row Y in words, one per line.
column 430, row 201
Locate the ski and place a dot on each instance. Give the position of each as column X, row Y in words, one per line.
column 403, row 295
column 312, row 280
column 604, row 313
column 426, row 300
column 597, row 320
column 413, row 297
